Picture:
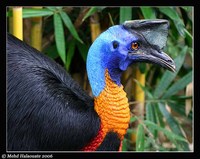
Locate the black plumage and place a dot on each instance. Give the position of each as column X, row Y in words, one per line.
column 46, row 120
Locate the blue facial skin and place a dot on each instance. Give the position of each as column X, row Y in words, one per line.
column 109, row 51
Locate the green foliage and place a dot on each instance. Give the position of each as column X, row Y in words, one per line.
column 125, row 14
column 59, row 36
column 175, row 127
column 91, row 11
column 151, row 116
column 69, row 25
column 148, row 12
column 179, row 85
column 140, row 138
column 28, row 13
column 164, row 94
column 33, row 12
column 171, row 135
column 70, row 53
column 60, row 19
column 172, row 14
column 168, row 76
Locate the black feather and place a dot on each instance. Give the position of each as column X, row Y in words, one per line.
column 111, row 142
column 47, row 109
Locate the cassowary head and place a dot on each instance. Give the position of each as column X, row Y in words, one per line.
column 122, row 45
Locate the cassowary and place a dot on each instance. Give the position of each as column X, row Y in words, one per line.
column 48, row 111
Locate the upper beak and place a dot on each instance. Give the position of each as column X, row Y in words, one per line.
column 163, row 60
column 155, row 57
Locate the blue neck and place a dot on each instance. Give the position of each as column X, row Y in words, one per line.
column 95, row 69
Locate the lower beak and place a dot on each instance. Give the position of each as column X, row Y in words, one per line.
column 155, row 57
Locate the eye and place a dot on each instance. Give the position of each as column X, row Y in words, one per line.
column 134, row 45
column 115, row 44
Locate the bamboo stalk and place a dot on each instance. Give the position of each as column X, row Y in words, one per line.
column 36, row 32
column 95, row 26
column 17, row 22
column 139, row 93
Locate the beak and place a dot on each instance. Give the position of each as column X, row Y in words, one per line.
column 155, row 57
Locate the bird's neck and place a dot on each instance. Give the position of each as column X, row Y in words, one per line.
column 110, row 100
column 97, row 63
column 112, row 107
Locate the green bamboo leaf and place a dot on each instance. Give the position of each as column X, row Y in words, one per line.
column 175, row 127
column 159, row 116
column 168, row 76
column 171, row 135
column 148, row 12
column 150, row 115
column 140, row 138
column 59, row 37
column 170, row 120
column 179, row 85
column 171, row 13
column 33, row 12
column 51, row 8
column 70, row 53
column 91, row 11
column 189, row 37
column 125, row 14
column 179, row 107
column 68, row 23
column 179, row 97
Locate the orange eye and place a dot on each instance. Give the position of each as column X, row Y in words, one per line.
column 134, row 46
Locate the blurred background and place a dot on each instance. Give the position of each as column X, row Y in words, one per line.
column 161, row 102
